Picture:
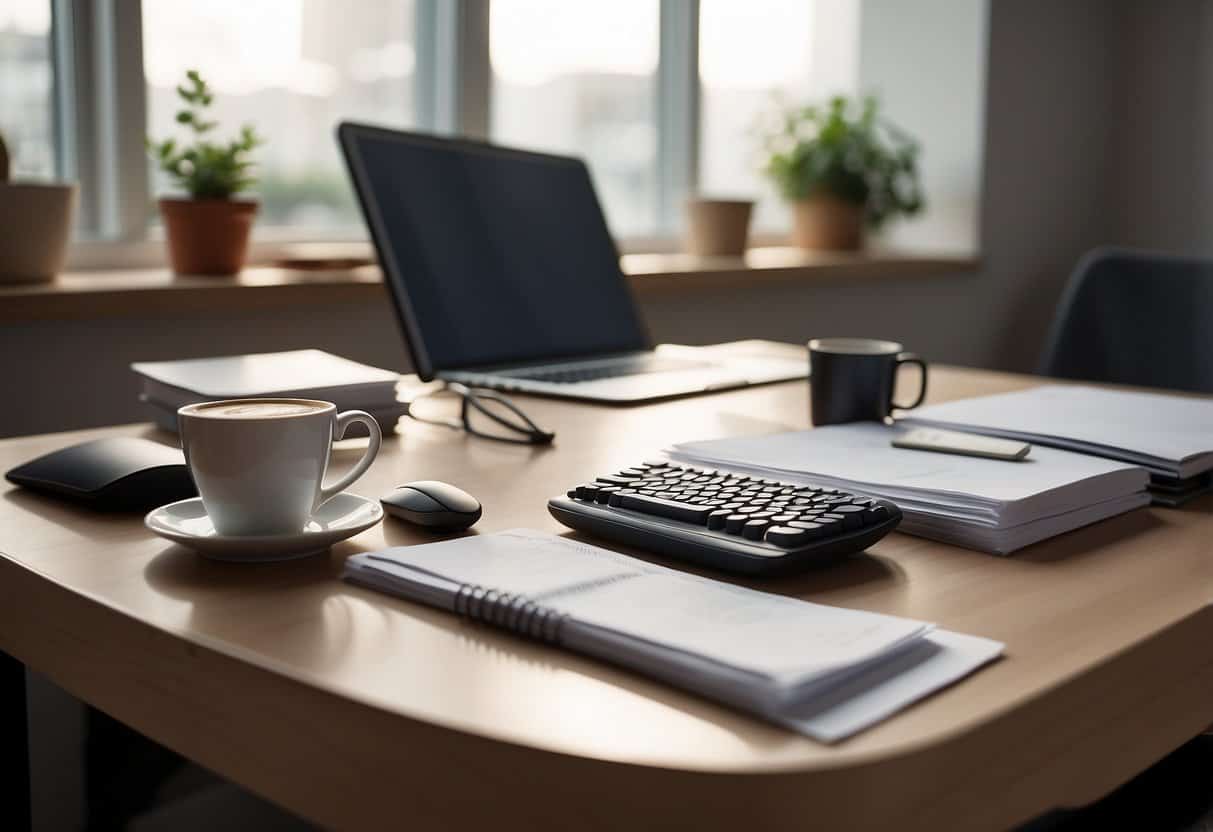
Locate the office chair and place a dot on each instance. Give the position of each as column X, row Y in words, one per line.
column 1135, row 317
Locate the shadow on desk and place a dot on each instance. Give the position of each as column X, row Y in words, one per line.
column 1094, row 540
column 332, row 627
column 851, row 571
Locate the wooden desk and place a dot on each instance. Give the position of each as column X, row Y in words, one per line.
column 357, row 710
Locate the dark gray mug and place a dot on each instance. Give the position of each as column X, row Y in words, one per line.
column 852, row 379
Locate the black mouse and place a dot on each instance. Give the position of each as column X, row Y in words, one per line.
column 435, row 505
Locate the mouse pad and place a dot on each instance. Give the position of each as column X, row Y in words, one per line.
column 119, row 473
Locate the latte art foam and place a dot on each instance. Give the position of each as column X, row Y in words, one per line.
column 258, row 410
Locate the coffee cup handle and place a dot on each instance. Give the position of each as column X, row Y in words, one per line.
column 911, row 358
column 340, row 424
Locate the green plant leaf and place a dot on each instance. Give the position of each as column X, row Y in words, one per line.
column 205, row 169
column 846, row 150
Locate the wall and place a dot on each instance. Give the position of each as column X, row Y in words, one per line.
column 1162, row 126
column 1044, row 201
column 926, row 63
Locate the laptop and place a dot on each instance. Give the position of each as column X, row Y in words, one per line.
column 504, row 275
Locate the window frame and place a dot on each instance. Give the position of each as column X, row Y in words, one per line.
column 100, row 106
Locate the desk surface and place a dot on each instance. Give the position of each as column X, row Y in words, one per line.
column 350, row 707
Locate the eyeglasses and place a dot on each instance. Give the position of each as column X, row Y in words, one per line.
column 483, row 413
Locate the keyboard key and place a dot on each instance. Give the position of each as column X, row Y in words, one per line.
column 876, row 514
column 734, row 522
column 610, row 480
column 671, row 509
column 587, row 491
column 814, row 531
column 852, row 516
column 755, row 529
column 717, row 518
column 604, row 494
column 786, row 536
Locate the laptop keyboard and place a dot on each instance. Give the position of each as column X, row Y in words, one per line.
column 639, row 365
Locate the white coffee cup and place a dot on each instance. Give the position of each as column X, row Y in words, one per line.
column 259, row 464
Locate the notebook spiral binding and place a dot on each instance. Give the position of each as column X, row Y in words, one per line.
column 516, row 613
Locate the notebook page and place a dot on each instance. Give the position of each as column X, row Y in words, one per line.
column 784, row 639
column 537, row 565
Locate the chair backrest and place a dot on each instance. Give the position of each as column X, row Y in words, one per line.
column 1135, row 317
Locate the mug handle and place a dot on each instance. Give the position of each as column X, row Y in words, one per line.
column 340, row 423
column 911, row 358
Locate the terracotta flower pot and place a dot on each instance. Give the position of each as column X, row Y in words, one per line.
column 828, row 223
column 718, row 227
column 207, row 236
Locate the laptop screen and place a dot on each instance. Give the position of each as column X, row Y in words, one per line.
column 494, row 256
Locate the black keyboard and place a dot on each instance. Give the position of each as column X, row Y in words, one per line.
column 723, row 520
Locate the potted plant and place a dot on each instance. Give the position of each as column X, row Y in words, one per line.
column 208, row 233
column 35, row 226
column 843, row 168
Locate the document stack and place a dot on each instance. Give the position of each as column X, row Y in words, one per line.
column 825, row 672
column 298, row 374
column 986, row 504
column 1170, row 436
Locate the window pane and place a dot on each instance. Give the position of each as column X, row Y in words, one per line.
column 579, row 78
column 753, row 58
column 26, row 110
column 292, row 69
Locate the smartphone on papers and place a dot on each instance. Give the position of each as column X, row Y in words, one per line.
column 965, row 444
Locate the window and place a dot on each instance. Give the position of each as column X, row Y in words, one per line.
column 754, row 58
column 579, row 78
column 26, row 87
column 293, row 70
column 660, row 97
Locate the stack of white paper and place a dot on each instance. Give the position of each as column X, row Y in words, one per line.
column 1170, row 435
column 824, row 671
column 986, row 504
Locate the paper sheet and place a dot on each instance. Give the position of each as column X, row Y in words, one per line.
column 1173, row 434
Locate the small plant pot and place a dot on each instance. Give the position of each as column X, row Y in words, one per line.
column 35, row 227
column 718, row 227
column 207, row 236
column 826, row 223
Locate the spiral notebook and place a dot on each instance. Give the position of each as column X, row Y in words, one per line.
column 826, row 672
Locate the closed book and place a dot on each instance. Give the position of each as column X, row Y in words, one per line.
column 303, row 374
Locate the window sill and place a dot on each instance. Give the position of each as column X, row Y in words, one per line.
column 156, row 292
column 680, row 272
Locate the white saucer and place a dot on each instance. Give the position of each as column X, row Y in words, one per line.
column 186, row 522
